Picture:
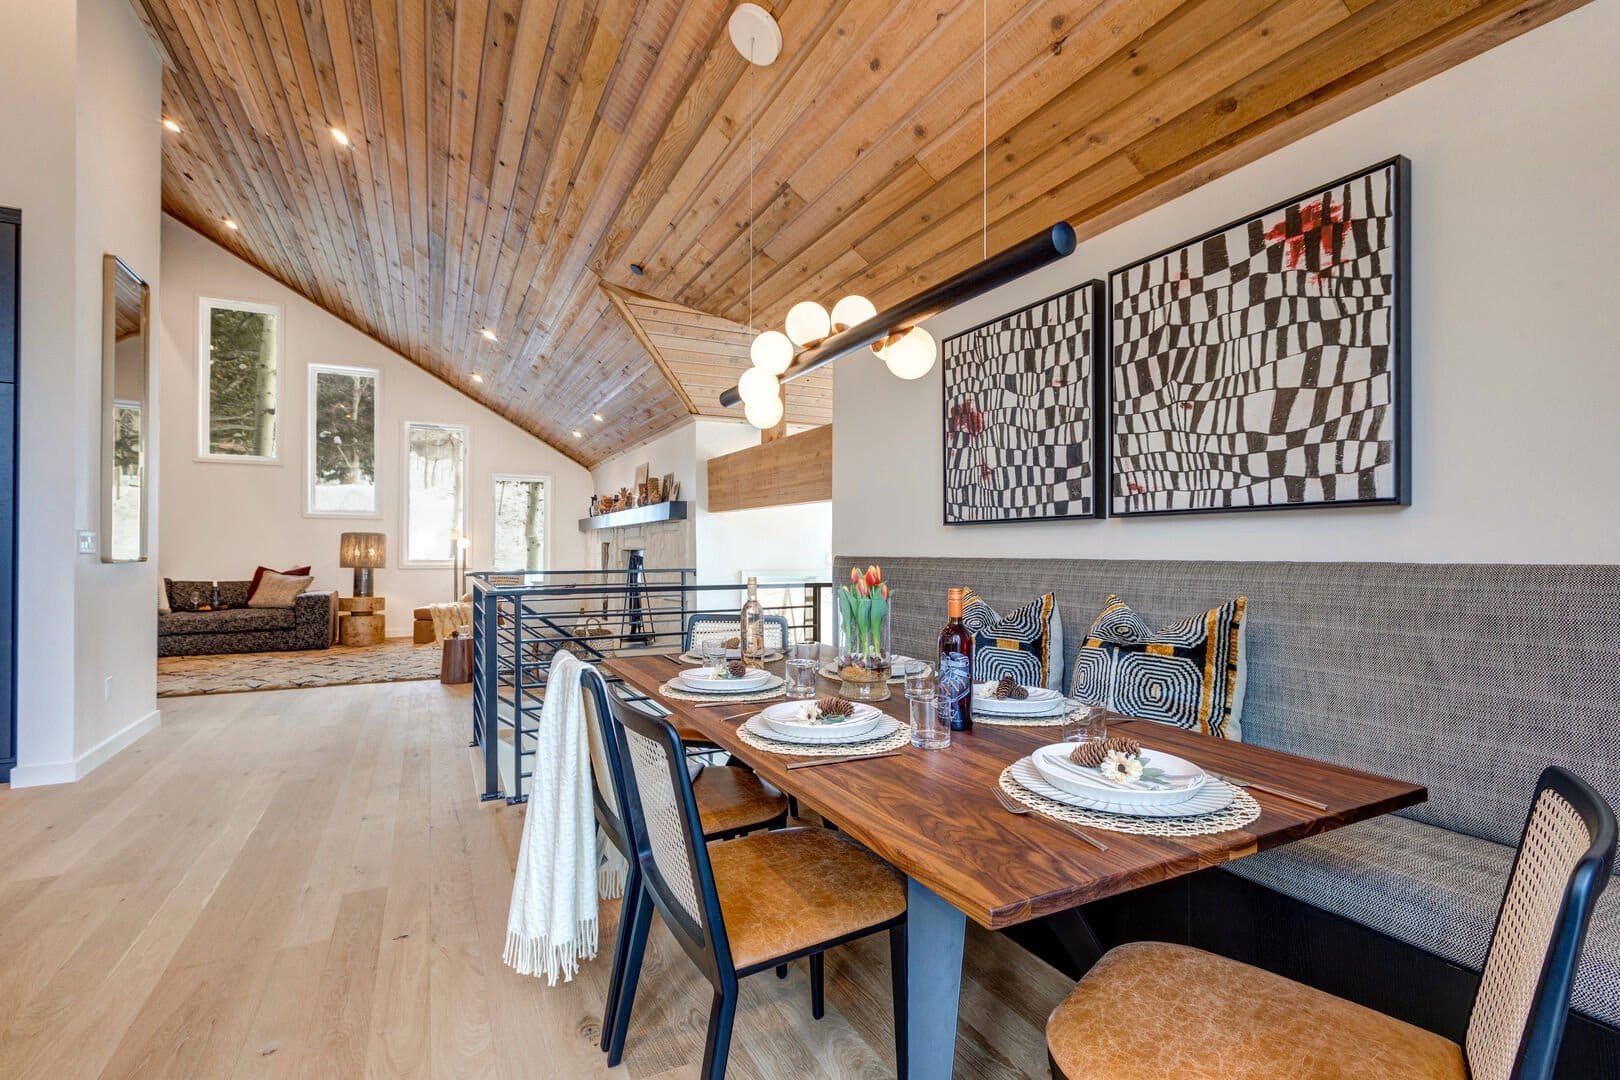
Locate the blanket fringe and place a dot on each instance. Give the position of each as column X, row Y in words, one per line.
column 538, row 956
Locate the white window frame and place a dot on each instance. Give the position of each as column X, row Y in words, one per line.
column 376, row 441
column 405, row 488
column 205, row 359
column 544, row 480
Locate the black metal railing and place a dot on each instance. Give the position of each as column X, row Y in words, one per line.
column 520, row 620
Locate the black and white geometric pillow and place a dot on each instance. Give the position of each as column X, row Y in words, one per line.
column 1028, row 644
column 1190, row 673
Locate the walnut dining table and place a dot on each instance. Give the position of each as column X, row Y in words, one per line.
column 933, row 814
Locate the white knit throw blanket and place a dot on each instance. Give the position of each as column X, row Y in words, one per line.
column 562, row 865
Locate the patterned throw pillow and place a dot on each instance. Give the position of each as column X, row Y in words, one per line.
column 279, row 590
column 1189, row 674
column 1028, row 644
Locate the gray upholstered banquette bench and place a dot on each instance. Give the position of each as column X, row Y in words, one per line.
column 1468, row 679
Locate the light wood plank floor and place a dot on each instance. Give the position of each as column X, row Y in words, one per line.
column 303, row 883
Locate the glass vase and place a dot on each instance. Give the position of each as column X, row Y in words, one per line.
column 864, row 659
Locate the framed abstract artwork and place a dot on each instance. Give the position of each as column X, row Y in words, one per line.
column 1263, row 365
column 1023, row 401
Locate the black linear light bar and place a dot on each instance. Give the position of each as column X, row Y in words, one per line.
column 1044, row 247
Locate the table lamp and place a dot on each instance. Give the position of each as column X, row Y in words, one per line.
column 365, row 551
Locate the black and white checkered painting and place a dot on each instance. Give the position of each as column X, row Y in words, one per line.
column 1258, row 366
column 1020, row 413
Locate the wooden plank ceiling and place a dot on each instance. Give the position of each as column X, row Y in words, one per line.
column 509, row 155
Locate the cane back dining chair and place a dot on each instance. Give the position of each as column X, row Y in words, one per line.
column 701, row 628
column 742, row 906
column 1150, row 1009
column 730, row 802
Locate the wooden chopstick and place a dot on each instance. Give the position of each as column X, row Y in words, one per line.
column 841, row 760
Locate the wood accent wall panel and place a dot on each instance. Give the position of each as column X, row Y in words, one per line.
column 509, row 156
column 780, row 472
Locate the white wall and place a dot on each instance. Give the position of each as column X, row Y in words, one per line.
column 220, row 519
column 673, row 452
column 1515, row 346
column 80, row 83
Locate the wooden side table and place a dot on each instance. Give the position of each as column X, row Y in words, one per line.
column 361, row 620
column 457, row 663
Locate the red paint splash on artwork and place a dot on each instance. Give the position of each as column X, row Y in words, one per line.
column 1320, row 221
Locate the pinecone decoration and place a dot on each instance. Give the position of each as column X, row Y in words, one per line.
column 835, row 706
column 1091, row 754
column 1008, row 689
column 736, row 668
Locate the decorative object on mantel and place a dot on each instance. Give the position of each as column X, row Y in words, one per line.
column 606, row 518
column 854, row 322
column 1024, row 402
column 863, row 636
column 1263, row 365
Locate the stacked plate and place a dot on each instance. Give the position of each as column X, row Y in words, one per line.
column 1041, row 702
column 1184, row 791
column 702, row 680
column 784, row 722
column 696, row 656
column 899, row 667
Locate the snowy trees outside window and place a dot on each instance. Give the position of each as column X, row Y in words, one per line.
column 239, row 373
column 343, row 441
column 435, row 491
column 520, row 523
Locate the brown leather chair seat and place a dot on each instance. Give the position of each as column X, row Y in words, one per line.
column 730, row 799
column 1149, row 1010
column 786, row 891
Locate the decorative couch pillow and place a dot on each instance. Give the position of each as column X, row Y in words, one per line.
column 258, row 576
column 1027, row 644
column 278, row 590
column 1190, row 673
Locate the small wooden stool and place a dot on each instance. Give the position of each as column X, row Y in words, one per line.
column 457, row 663
column 422, row 626
column 361, row 621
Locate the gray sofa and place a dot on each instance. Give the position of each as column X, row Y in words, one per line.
column 237, row 628
column 1465, row 678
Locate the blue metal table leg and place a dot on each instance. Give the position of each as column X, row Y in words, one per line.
column 934, row 931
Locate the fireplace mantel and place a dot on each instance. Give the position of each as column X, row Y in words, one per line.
column 636, row 515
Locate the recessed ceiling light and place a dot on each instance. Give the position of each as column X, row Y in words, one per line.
column 231, row 225
column 341, row 136
column 597, row 417
column 489, row 335
column 171, row 123
column 477, row 377
column 578, row 434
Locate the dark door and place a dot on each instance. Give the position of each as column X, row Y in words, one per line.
column 10, row 226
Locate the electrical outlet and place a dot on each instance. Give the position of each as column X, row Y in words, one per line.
column 87, row 541
column 106, row 689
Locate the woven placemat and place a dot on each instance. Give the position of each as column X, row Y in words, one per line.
column 900, row 738
column 675, row 693
column 1242, row 811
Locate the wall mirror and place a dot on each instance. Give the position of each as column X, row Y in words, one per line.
column 125, row 353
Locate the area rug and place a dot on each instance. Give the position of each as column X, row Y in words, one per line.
column 395, row 660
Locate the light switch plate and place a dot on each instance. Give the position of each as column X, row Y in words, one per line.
column 87, row 541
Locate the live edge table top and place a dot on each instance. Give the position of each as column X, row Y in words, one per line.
column 933, row 813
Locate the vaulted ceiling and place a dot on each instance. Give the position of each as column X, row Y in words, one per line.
column 506, row 157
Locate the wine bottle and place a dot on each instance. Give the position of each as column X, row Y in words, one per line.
column 954, row 678
column 751, row 624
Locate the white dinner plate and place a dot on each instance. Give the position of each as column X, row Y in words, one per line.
column 882, row 728
column 1041, row 702
column 1207, row 800
column 900, row 666
column 783, row 717
column 696, row 680
column 1056, row 769
column 770, row 657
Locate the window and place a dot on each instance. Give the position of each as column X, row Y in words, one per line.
column 435, row 491
column 238, row 380
column 520, row 522
column 126, row 498
column 342, row 441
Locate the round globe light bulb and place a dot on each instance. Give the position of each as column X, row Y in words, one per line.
column 808, row 321
column 912, row 356
column 771, row 352
column 851, row 311
column 757, row 385
column 765, row 413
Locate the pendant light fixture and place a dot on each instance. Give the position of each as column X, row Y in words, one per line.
column 814, row 337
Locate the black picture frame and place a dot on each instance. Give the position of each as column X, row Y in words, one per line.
column 1094, row 343
column 1399, row 366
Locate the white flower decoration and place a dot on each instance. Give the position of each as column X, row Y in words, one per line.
column 1133, row 768
column 810, row 713
column 1114, row 767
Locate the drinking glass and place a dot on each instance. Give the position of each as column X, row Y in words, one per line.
column 802, row 661
column 714, row 655
column 1085, row 724
column 928, row 730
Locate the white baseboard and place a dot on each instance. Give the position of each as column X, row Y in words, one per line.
column 66, row 772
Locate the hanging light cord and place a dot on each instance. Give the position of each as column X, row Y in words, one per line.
column 984, row 128
column 753, row 107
